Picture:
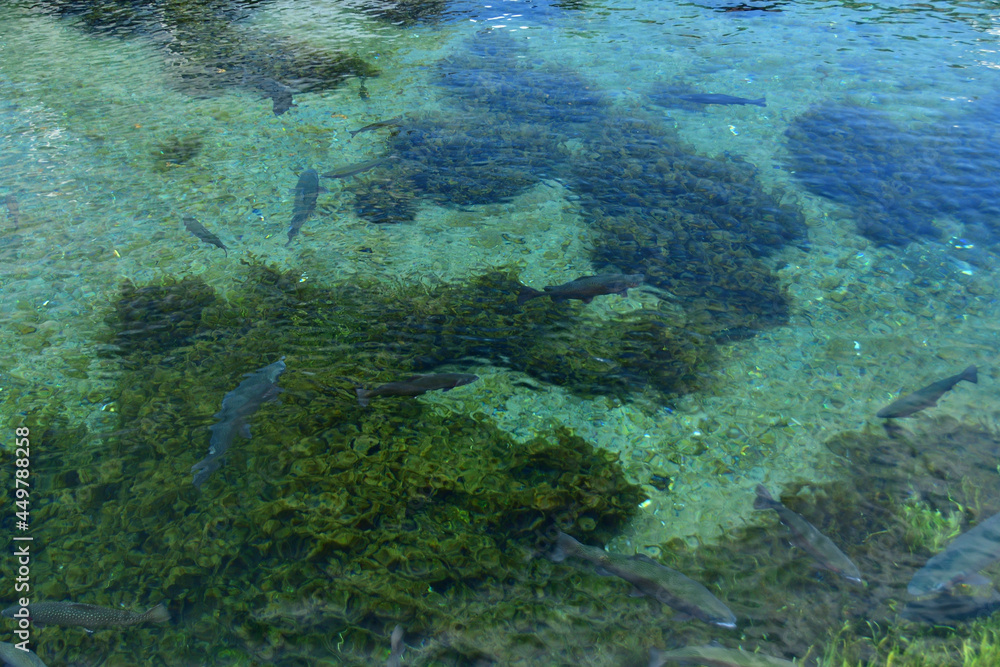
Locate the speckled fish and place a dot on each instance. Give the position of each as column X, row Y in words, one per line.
column 306, row 191
column 199, row 230
column 947, row 609
column 13, row 211
column 15, row 657
column 359, row 168
column 585, row 288
column 650, row 578
column 88, row 616
column 237, row 406
column 416, row 385
column 396, row 647
column 805, row 536
column 967, row 554
column 391, row 122
column 926, row 397
column 715, row 656
column 715, row 98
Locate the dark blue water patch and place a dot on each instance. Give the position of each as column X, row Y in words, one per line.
column 896, row 180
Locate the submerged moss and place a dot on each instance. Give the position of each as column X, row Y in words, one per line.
column 209, row 49
column 156, row 318
column 334, row 520
column 699, row 227
column 176, row 151
column 790, row 608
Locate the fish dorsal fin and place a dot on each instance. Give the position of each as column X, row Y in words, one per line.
column 644, row 558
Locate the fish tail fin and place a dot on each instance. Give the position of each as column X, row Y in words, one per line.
column 970, row 374
column 527, row 294
column 764, row 499
column 761, row 102
column 363, row 395
column 157, row 614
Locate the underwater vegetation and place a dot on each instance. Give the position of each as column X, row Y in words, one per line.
column 464, row 162
column 900, row 500
column 159, row 317
column 208, row 51
column 480, row 321
column 176, row 151
column 699, row 227
column 338, row 521
column 694, row 225
column 334, row 521
column 897, row 180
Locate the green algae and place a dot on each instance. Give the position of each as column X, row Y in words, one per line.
column 210, row 50
column 176, row 151
column 158, row 317
column 334, row 520
column 900, row 500
column 699, row 227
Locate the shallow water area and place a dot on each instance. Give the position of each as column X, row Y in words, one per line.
column 812, row 246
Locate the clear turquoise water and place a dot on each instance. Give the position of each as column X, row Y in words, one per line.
column 804, row 261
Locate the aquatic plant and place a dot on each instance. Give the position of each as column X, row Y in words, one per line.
column 208, row 50
column 176, row 151
column 693, row 225
column 790, row 608
column 333, row 520
column 897, row 180
column 157, row 317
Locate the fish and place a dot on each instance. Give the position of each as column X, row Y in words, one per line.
column 362, row 91
column 306, row 191
column 715, row 656
column 237, row 406
column 416, row 385
column 947, row 609
column 585, row 288
column 390, row 122
column 926, row 397
column 281, row 95
column 199, row 230
column 749, row 8
column 396, row 647
column 716, row 98
column 967, row 554
column 88, row 616
column 361, row 167
column 806, row 537
column 13, row 211
column 669, row 587
column 11, row 655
